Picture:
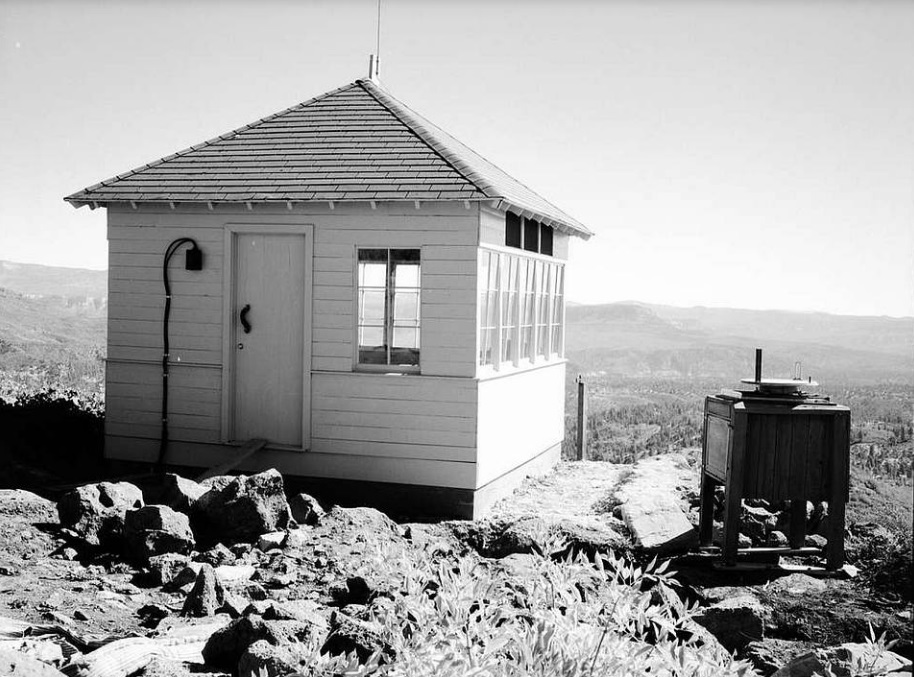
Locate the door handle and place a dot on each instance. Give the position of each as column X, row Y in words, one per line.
column 244, row 319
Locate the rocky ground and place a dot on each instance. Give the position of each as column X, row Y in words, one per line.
column 233, row 577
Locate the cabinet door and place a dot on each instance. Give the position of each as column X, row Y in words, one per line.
column 717, row 447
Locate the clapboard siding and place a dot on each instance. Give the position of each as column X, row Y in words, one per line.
column 519, row 417
column 410, row 429
column 412, row 411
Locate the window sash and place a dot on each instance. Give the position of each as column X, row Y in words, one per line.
column 395, row 323
column 521, row 309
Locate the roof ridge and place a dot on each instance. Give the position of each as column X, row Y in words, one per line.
column 209, row 142
column 400, row 111
column 417, row 125
column 427, row 131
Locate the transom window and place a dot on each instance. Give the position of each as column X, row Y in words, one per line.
column 521, row 319
column 528, row 234
column 388, row 321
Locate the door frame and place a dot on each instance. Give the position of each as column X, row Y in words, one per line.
column 229, row 328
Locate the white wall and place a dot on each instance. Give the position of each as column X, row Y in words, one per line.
column 521, row 415
column 388, row 426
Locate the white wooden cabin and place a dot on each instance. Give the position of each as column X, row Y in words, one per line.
column 405, row 300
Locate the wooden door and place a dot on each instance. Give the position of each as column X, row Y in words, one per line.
column 269, row 393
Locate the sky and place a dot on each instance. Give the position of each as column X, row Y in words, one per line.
column 726, row 154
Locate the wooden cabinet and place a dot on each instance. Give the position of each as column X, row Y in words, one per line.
column 777, row 449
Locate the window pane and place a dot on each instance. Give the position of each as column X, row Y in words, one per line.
column 406, row 337
column 527, row 297
column 406, row 306
column 542, row 308
column 545, row 239
column 509, row 308
column 531, row 235
column 371, row 337
column 373, row 355
column 512, row 230
column 371, row 305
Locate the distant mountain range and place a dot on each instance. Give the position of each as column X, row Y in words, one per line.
column 45, row 306
column 638, row 339
column 31, row 279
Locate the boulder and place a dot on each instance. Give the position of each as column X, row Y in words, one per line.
column 778, row 539
column 734, row 621
column 769, row 655
column 272, row 540
column 244, row 508
column 225, row 647
column 20, row 665
column 523, row 536
column 815, row 541
column 306, row 509
column 206, row 596
column 165, row 568
column 756, row 522
column 796, row 584
column 216, row 556
column 853, row 658
column 348, row 635
column 262, row 659
column 95, row 512
column 180, row 493
column 164, row 667
column 156, row 530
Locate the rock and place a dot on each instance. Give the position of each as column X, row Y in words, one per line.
column 233, row 604
column 156, row 530
column 304, row 611
column 735, row 621
column 818, row 520
column 244, row 508
column 855, row 658
column 152, row 614
column 165, row 568
column 591, row 535
column 216, row 556
column 353, row 522
column 756, row 522
column 523, row 536
column 521, row 566
column 231, row 575
column 272, row 540
column 658, row 524
column 306, row 509
column 262, row 659
column 797, row 584
column 206, row 596
column 255, row 592
column 180, row 493
column 815, row 541
column 184, row 577
column 805, row 665
column 778, row 539
column 717, row 536
column 19, row 665
column 163, row 667
column 225, row 647
column 95, row 512
column 69, row 554
column 769, row 655
column 348, row 635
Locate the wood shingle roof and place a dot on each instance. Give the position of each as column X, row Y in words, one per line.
column 355, row 143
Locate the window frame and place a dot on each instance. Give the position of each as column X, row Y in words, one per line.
column 389, row 315
column 554, row 328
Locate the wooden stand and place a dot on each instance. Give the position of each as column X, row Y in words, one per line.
column 777, row 449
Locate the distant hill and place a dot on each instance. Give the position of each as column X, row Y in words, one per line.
column 635, row 339
column 52, row 328
column 69, row 283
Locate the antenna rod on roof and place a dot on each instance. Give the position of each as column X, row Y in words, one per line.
column 378, row 49
column 372, row 68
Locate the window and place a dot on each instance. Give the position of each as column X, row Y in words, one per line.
column 512, row 230
column 488, row 306
column 388, row 322
column 527, row 234
column 520, row 309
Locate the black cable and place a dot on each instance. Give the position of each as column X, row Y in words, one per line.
column 170, row 251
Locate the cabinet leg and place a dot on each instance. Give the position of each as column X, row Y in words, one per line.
column 706, row 511
column 797, row 523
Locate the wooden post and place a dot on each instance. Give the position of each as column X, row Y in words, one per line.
column 582, row 420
